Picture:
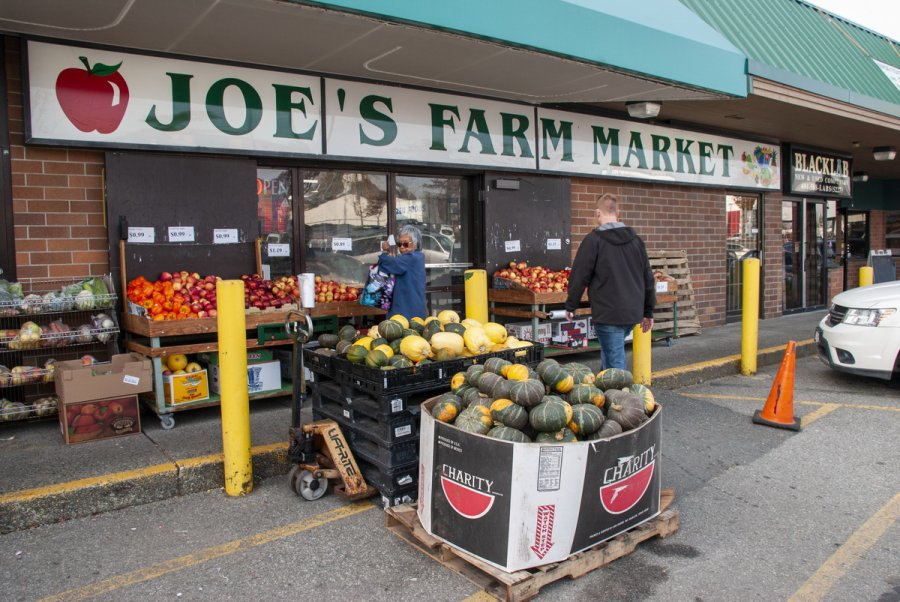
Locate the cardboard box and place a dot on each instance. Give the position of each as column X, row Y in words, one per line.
column 186, row 388
column 522, row 331
column 261, row 377
column 125, row 374
column 574, row 333
column 522, row 505
column 254, row 356
column 99, row 419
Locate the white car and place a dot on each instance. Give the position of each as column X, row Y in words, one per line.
column 861, row 333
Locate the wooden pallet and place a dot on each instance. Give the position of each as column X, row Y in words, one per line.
column 403, row 522
column 675, row 264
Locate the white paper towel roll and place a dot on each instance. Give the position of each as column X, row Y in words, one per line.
column 557, row 314
column 307, row 289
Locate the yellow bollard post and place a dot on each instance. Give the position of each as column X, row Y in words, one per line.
column 235, row 403
column 750, row 316
column 866, row 275
column 640, row 355
column 476, row 295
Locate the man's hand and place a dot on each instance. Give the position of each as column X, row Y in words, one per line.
column 646, row 324
column 570, row 315
column 385, row 247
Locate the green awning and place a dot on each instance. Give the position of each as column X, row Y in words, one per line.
column 659, row 39
column 799, row 45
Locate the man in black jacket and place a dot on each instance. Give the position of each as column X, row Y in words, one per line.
column 612, row 264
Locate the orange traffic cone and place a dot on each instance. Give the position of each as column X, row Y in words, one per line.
column 779, row 408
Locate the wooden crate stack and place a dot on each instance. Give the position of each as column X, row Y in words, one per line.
column 675, row 264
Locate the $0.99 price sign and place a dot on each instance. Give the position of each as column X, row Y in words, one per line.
column 181, row 234
column 142, row 235
column 225, row 236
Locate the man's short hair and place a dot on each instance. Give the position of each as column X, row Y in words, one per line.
column 608, row 203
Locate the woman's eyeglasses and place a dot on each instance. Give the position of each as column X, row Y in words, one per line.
column 404, row 245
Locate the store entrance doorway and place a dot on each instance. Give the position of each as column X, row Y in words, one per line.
column 803, row 238
column 742, row 243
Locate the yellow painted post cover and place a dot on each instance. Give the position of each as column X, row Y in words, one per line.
column 476, row 295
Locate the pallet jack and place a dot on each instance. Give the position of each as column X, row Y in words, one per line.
column 318, row 450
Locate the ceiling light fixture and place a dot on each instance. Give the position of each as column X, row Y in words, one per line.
column 860, row 176
column 644, row 109
column 884, row 153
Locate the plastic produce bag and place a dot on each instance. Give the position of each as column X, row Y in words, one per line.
column 379, row 289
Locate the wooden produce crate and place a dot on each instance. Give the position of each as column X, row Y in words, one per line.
column 675, row 264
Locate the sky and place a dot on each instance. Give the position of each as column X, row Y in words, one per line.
column 882, row 16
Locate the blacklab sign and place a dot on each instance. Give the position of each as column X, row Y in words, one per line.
column 814, row 173
column 110, row 98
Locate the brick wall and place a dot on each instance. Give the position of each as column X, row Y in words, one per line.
column 772, row 266
column 669, row 218
column 57, row 198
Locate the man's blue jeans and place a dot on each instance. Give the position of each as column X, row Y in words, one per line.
column 612, row 344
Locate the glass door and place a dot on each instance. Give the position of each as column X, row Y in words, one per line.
column 803, row 238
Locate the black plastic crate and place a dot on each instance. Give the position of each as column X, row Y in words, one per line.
column 398, row 498
column 333, row 410
column 396, row 429
column 383, row 408
column 391, row 481
column 318, row 363
column 434, row 375
column 385, row 457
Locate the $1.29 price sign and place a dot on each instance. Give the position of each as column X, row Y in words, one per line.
column 181, row 234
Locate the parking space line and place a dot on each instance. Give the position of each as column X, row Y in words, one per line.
column 848, row 554
column 853, row 406
column 824, row 409
column 183, row 562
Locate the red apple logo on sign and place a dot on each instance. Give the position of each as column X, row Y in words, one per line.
column 93, row 98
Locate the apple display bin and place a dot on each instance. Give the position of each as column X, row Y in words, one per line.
column 523, row 505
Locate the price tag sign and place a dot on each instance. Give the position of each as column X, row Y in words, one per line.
column 662, row 287
column 225, row 236
column 279, row 250
column 341, row 244
column 512, row 246
column 181, row 234
column 554, row 244
column 131, row 380
column 147, row 235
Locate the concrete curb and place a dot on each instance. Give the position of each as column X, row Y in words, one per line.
column 84, row 497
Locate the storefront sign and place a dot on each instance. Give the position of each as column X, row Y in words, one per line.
column 812, row 173
column 118, row 99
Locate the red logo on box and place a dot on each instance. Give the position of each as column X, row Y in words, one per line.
column 468, row 502
column 620, row 496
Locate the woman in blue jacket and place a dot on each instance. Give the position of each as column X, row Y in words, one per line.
column 409, row 268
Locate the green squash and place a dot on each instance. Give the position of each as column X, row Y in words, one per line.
column 527, row 393
column 390, row 329
column 563, row 435
column 646, row 395
column 328, row 341
column 377, row 359
column 586, row 419
column 508, row 413
column 627, row 409
column 473, row 374
column 357, row 354
column 613, row 378
column 401, row 361
column 550, row 416
column 347, row 333
column 609, row 428
column 496, row 365
column 487, row 381
column 474, row 419
column 508, row 433
column 544, row 365
column 447, row 407
column 456, row 327
column 431, row 328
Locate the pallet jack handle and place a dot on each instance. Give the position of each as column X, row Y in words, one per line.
column 299, row 328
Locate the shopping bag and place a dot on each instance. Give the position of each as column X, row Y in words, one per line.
column 379, row 289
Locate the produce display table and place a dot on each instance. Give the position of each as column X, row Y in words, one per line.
column 525, row 303
column 156, row 339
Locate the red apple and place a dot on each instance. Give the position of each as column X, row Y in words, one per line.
column 93, row 98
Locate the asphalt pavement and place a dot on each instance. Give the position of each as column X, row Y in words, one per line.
column 45, row 481
column 764, row 514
